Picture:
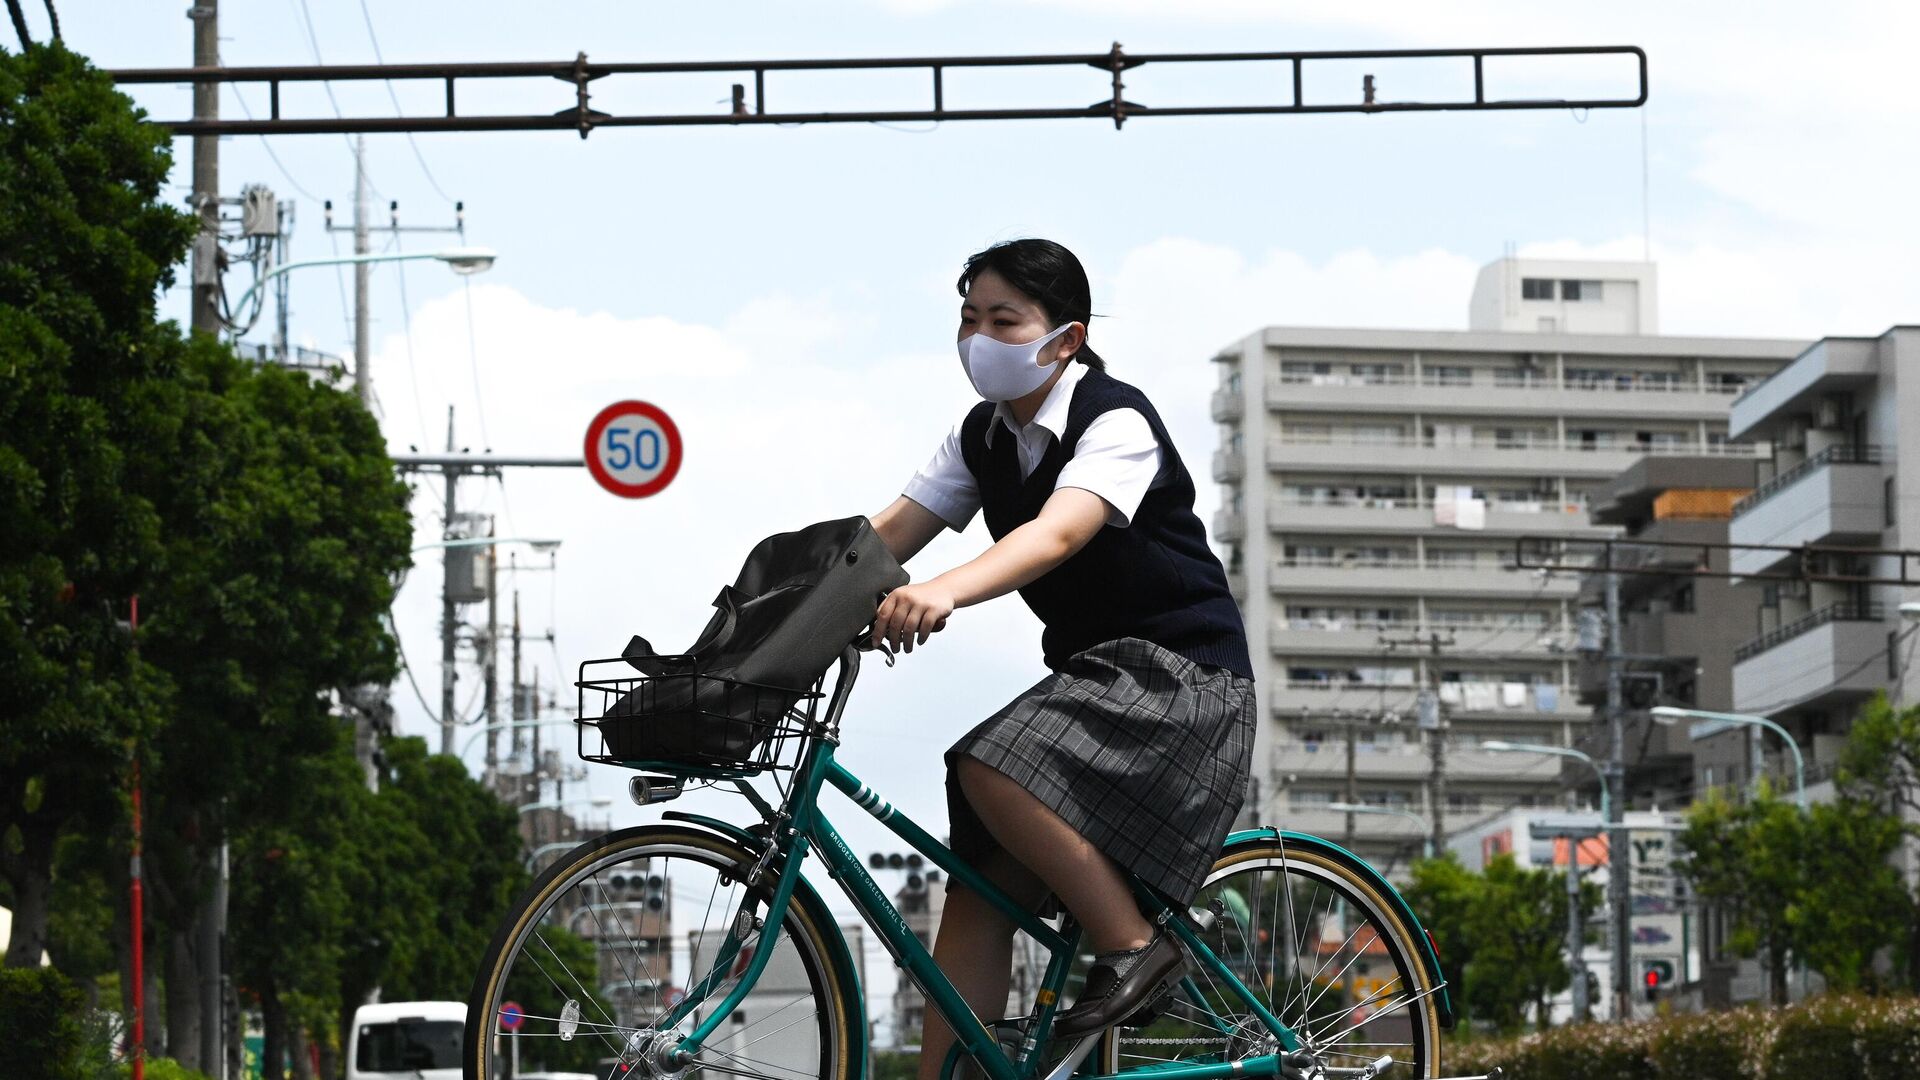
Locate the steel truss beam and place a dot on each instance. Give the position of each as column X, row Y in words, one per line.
column 582, row 117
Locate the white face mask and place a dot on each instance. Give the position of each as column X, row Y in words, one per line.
column 1003, row 372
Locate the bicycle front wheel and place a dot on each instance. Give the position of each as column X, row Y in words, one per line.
column 1317, row 944
column 592, row 969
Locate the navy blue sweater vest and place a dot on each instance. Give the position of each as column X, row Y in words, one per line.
column 1156, row 579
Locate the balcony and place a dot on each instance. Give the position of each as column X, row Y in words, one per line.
column 1410, row 762
column 1829, row 656
column 1228, row 467
column 1317, row 820
column 1294, row 698
column 1532, row 396
column 1228, row 406
column 1410, row 579
column 1229, row 525
column 1407, row 516
column 1833, row 497
column 1325, row 638
column 1479, row 457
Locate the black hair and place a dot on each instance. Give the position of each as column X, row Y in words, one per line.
column 1045, row 273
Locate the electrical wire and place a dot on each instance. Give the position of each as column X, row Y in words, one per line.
column 268, row 146
column 473, row 361
column 400, row 648
column 406, row 325
column 417, row 155
column 313, row 42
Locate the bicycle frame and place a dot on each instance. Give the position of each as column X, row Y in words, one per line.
column 802, row 826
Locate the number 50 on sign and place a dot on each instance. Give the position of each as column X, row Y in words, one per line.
column 633, row 449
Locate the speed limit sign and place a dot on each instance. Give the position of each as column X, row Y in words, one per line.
column 633, row 449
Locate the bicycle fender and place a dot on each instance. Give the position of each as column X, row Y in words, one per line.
column 1443, row 1005
column 841, row 959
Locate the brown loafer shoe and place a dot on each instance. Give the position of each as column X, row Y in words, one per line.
column 1135, row 998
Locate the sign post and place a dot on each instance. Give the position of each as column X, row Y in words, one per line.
column 511, row 1017
column 633, row 449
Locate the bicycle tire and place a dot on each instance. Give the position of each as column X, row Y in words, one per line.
column 1321, row 873
column 807, row 925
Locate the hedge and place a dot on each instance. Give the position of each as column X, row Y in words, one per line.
column 1827, row 1038
column 42, row 1025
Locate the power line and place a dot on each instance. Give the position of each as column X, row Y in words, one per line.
column 417, row 156
column 473, row 362
column 406, row 325
column 313, row 42
column 268, row 147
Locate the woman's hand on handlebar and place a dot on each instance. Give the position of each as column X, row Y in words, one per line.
column 912, row 613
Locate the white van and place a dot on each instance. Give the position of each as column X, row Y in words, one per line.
column 406, row 1040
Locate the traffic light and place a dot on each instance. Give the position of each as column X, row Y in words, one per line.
column 640, row 887
column 1655, row 975
column 910, row 862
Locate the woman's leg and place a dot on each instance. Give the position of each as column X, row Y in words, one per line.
column 974, row 948
column 1085, row 880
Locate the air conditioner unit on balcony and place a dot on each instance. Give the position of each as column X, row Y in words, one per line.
column 1794, row 437
column 1827, row 415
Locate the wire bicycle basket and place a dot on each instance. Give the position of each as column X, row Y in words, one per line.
column 683, row 716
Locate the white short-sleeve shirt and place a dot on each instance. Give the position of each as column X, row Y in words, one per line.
column 1117, row 458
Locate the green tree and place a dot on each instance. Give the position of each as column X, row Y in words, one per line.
column 436, row 864
column 1746, row 859
column 1519, row 931
column 1446, row 894
column 1880, row 766
column 1851, row 902
column 286, row 531
column 85, row 243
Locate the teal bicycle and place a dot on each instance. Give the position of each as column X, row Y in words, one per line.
column 696, row 947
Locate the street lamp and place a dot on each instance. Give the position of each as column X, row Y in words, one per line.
column 1501, row 746
column 1426, row 831
column 461, row 260
column 554, row 804
column 1668, row 714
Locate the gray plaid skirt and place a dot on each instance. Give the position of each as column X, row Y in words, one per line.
column 1144, row 752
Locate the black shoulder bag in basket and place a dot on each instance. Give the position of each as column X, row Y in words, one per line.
column 800, row 599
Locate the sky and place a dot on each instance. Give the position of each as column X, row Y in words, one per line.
column 786, row 294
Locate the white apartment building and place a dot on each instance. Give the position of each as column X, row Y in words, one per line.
column 1841, row 472
column 1376, row 483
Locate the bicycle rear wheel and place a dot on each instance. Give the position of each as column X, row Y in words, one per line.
column 603, row 946
column 1319, row 947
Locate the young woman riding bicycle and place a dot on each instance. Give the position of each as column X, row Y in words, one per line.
column 1133, row 754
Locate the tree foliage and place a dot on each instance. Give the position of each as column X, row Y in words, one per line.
column 1816, row 885
column 85, row 381
column 1501, row 934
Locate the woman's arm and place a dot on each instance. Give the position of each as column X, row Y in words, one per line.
column 906, row 527
column 1069, row 519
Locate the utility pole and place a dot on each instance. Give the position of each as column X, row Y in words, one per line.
column 362, row 276
column 1576, row 934
column 1428, row 719
column 1618, row 865
column 448, row 674
column 204, row 311
column 493, row 658
column 205, row 314
column 518, row 707
column 1353, row 789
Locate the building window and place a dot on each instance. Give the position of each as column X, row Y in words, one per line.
column 1447, row 375
column 1580, row 291
column 1890, row 495
column 1534, row 288
column 1682, row 600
